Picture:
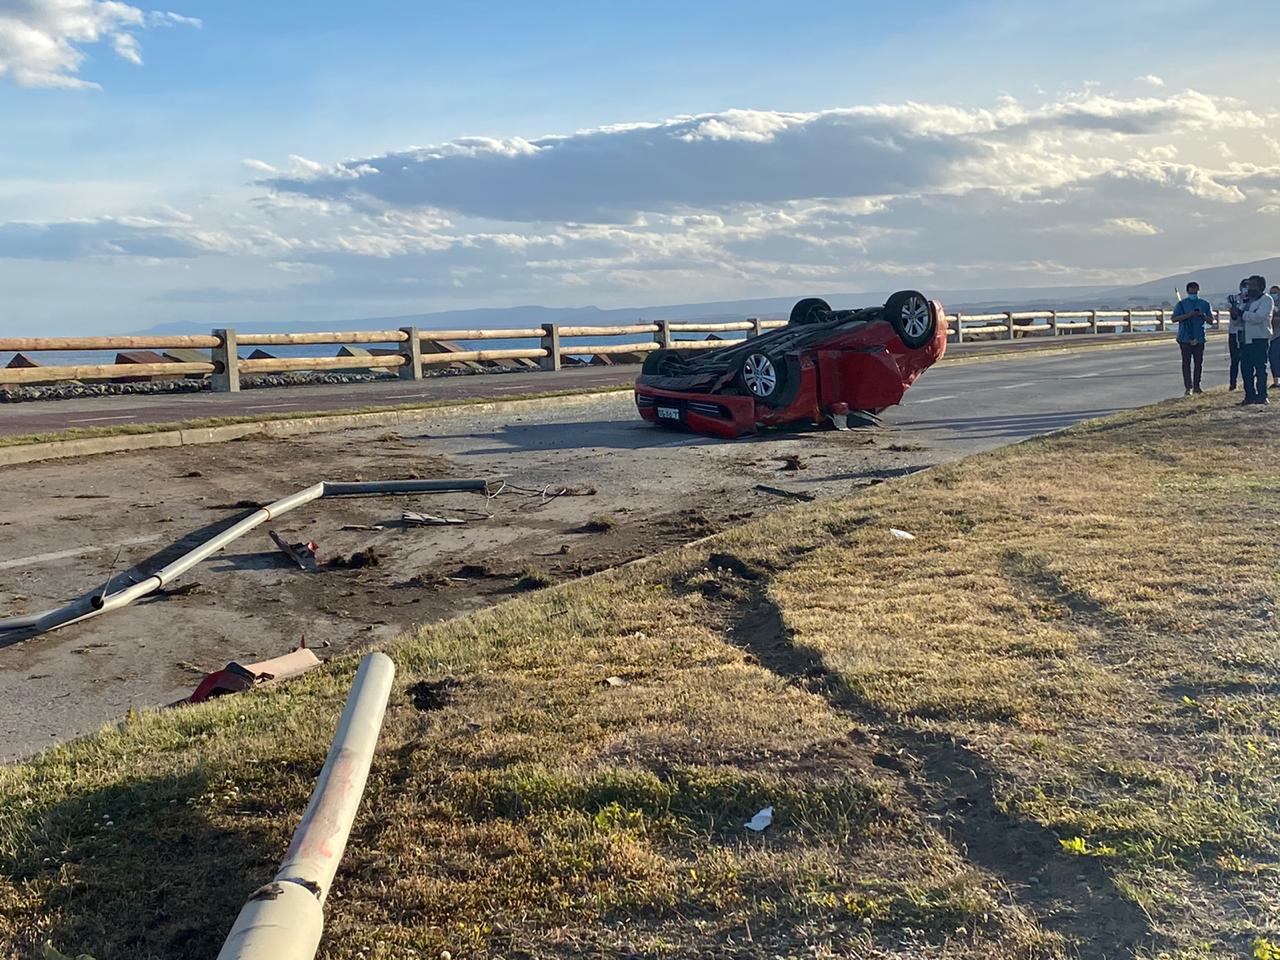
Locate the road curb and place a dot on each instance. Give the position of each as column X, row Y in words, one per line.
column 122, row 443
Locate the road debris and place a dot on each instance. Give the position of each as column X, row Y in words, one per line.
column 789, row 494
column 761, row 821
column 428, row 520
column 792, row 462
column 236, row 677
column 362, row 526
column 368, row 557
column 303, row 554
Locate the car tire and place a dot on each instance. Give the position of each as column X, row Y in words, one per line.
column 810, row 310
column 912, row 316
column 764, row 377
column 655, row 362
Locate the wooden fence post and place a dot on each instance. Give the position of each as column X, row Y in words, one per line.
column 226, row 362
column 551, row 344
column 664, row 334
column 756, row 328
column 412, row 353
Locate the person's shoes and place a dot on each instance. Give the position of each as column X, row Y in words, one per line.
column 1246, row 403
column 1187, row 392
column 1264, row 402
column 1232, row 387
column 1196, row 390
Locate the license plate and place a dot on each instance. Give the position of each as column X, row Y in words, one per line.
column 668, row 413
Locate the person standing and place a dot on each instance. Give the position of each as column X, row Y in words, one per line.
column 1191, row 314
column 1274, row 349
column 1255, row 338
column 1233, row 333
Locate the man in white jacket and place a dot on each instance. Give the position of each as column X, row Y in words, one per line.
column 1255, row 336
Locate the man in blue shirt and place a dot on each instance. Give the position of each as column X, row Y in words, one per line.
column 1191, row 314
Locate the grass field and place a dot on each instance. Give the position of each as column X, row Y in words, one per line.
column 1048, row 726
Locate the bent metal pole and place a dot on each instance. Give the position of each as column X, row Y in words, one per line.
column 100, row 601
column 285, row 919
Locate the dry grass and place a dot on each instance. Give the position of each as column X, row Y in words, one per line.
column 1046, row 727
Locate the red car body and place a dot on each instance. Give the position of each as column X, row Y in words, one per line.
column 861, row 365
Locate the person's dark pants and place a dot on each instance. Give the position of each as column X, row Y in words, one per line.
column 1275, row 358
column 1253, row 369
column 1192, row 354
column 1233, row 344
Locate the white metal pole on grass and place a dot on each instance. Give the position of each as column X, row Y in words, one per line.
column 285, row 919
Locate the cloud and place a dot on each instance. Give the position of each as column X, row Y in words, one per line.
column 158, row 239
column 1152, row 80
column 1133, row 226
column 41, row 40
column 718, row 161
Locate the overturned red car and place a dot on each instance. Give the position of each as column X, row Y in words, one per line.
column 822, row 366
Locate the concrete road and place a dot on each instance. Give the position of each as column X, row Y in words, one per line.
column 61, row 522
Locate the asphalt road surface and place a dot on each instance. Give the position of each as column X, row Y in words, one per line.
column 126, row 409
column 62, row 522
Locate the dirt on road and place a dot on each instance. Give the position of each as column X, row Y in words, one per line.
column 582, row 488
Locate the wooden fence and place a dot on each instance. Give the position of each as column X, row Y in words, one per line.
column 410, row 352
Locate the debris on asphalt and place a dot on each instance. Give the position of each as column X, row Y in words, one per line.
column 792, row 462
column 368, row 557
column 236, row 677
column 901, row 534
column 303, row 554
column 789, row 494
column 428, row 520
column 362, row 526
column 761, row 820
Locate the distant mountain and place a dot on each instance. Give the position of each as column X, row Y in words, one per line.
column 1215, row 284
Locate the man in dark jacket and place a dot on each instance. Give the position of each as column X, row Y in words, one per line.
column 1191, row 314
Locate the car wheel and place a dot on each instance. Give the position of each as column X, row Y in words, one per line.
column 912, row 317
column 763, row 377
column 810, row 310
column 660, row 362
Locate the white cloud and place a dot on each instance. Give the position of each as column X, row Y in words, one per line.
column 41, row 41
column 717, row 161
column 1152, row 80
column 1132, row 226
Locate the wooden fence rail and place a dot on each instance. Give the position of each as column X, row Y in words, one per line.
column 413, row 351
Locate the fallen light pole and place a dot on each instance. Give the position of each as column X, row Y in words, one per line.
column 285, row 919
column 100, row 601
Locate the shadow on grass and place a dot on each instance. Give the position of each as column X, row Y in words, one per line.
column 132, row 872
column 1069, row 895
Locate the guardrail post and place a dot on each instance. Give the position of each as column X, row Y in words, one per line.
column 756, row 328
column 1053, row 322
column 412, row 353
column 1128, row 321
column 226, row 362
column 959, row 327
column 1093, row 321
column 1008, row 318
column 1160, row 323
column 664, row 333
column 551, row 344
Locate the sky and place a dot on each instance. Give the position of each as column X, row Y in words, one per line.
column 227, row 162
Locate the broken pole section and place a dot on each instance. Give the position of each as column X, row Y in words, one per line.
column 284, row 920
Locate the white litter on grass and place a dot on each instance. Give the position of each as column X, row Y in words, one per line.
column 901, row 534
column 761, row 820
